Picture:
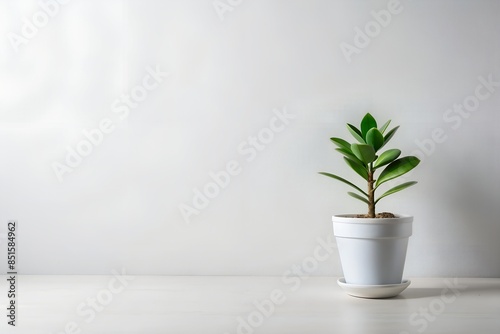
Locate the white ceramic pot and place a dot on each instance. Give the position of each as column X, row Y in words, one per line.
column 372, row 250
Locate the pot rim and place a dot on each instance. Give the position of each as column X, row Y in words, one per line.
column 351, row 219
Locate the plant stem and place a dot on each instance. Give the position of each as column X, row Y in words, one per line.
column 371, row 195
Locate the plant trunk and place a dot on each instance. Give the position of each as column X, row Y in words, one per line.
column 371, row 196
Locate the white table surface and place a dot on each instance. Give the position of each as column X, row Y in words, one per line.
column 156, row 304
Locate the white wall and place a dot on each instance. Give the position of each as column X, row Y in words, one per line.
column 120, row 206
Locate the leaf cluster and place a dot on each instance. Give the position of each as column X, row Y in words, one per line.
column 363, row 157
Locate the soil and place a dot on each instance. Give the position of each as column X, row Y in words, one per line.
column 378, row 215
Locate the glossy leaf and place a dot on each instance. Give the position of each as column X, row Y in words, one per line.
column 384, row 127
column 356, row 196
column 387, row 157
column 358, row 168
column 389, row 135
column 341, row 143
column 363, row 152
column 349, row 154
column 397, row 168
column 375, row 138
column 333, row 176
column 356, row 133
column 396, row 189
column 367, row 123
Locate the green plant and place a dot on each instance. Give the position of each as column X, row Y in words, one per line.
column 363, row 159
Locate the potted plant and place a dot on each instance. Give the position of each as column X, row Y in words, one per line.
column 372, row 247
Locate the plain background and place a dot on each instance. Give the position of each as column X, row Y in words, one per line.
column 120, row 207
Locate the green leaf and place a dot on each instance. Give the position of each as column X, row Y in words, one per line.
column 387, row 157
column 396, row 189
column 367, row 123
column 341, row 143
column 355, row 133
column 349, row 154
column 345, row 181
column 389, row 135
column 375, row 138
column 384, row 127
column 356, row 196
column 397, row 168
column 358, row 168
column 363, row 152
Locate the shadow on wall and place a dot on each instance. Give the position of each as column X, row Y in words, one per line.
column 473, row 206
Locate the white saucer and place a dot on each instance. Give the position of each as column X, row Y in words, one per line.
column 373, row 291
